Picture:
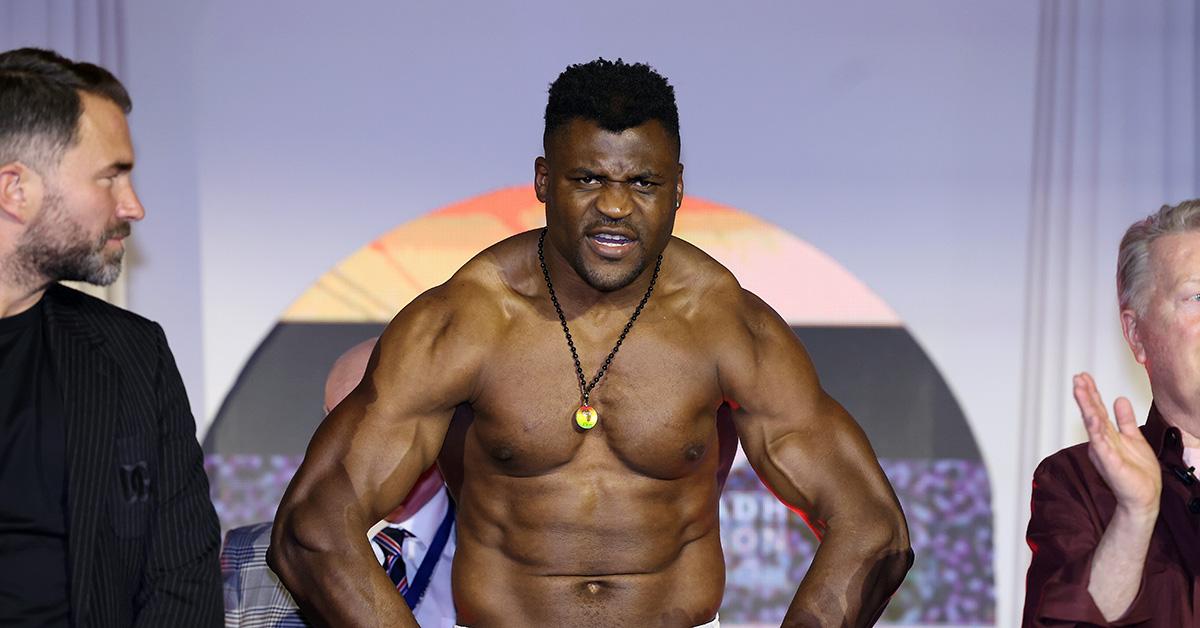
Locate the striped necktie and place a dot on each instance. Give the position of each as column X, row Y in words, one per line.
column 391, row 540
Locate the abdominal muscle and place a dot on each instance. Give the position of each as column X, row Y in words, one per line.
column 577, row 548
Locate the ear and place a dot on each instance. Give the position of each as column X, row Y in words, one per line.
column 20, row 192
column 679, row 188
column 541, row 178
column 1133, row 335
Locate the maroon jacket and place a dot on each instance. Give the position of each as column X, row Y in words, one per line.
column 1072, row 506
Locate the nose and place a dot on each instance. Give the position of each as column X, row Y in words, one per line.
column 614, row 200
column 129, row 206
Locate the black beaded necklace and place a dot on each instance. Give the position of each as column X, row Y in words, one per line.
column 585, row 416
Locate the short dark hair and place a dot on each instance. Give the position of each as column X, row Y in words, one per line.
column 40, row 105
column 613, row 94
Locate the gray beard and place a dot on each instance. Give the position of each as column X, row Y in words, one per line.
column 56, row 248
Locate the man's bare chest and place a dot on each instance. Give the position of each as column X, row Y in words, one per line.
column 655, row 402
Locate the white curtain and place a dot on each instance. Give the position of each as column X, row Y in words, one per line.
column 83, row 30
column 1115, row 137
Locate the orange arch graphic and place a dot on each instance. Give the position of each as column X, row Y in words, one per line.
column 803, row 284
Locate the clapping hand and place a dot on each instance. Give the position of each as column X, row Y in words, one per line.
column 1121, row 454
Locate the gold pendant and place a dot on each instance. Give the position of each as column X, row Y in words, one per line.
column 586, row 417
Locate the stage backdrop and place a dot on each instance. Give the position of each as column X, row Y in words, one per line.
column 864, row 355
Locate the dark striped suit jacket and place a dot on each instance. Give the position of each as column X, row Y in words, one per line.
column 142, row 535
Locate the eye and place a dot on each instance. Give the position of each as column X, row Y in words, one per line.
column 588, row 179
column 643, row 185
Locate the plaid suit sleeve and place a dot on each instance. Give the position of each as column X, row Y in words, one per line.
column 254, row 596
column 181, row 584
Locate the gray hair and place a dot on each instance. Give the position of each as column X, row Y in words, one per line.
column 1133, row 257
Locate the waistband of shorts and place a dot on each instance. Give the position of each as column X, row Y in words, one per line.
column 715, row 623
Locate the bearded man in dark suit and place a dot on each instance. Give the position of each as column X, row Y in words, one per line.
column 105, row 518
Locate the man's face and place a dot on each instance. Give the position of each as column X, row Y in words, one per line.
column 1167, row 333
column 610, row 198
column 87, row 203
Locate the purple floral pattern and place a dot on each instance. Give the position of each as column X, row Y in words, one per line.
column 767, row 547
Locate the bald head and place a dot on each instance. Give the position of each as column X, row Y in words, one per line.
column 347, row 372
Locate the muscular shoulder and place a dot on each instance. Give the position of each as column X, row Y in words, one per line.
column 712, row 296
column 699, row 287
column 744, row 333
column 466, row 306
column 483, row 293
column 453, row 326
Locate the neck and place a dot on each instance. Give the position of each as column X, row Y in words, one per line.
column 575, row 294
column 18, row 294
column 1178, row 415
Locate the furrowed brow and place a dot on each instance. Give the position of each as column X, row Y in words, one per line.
column 585, row 172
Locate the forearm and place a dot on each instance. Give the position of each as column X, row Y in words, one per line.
column 1120, row 559
column 333, row 575
column 852, row 577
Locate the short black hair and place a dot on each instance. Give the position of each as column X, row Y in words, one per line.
column 40, row 104
column 613, row 94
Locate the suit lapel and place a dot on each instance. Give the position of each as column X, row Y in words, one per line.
column 89, row 385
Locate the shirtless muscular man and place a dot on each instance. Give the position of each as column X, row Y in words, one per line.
column 594, row 354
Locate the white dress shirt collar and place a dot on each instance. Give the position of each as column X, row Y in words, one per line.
column 424, row 525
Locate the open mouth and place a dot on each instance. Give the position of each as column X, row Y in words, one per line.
column 612, row 240
column 611, row 245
